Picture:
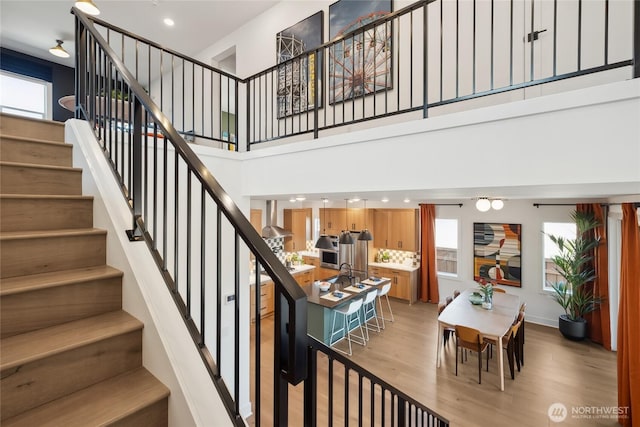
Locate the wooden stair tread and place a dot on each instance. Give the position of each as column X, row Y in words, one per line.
column 39, row 234
column 37, row 166
column 101, row 404
column 45, row 197
column 24, row 348
column 19, row 284
column 33, row 140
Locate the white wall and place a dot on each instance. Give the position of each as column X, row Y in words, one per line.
column 540, row 307
column 168, row 351
column 561, row 146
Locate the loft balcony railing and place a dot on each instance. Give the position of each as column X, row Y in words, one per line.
column 435, row 55
column 202, row 242
column 147, row 102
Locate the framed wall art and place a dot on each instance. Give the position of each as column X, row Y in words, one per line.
column 298, row 75
column 497, row 253
column 361, row 62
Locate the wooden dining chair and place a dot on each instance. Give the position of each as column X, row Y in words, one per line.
column 471, row 339
column 508, row 343
column 519, row 339
column 447, row 332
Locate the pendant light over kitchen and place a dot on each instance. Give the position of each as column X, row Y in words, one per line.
column 324, row 242
column 345, row 236
column 365, row 234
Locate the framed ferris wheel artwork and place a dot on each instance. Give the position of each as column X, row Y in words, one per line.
column 497, row 252
column 360, row 62
column 297, row 76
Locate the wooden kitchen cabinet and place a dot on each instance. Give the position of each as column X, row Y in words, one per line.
column 311, row 260
column 266, row 300
column 395, row 229
column 380, row 228
column 404, row 284
column 359, row 219
column 298, row 221
column 256, row 219
column 304, row 278
column 332, row 221
column 325, row 273
column 403, row 229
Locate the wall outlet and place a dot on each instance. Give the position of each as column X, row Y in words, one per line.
column 230, row 298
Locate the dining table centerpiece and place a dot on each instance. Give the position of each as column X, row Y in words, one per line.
column 486, row 289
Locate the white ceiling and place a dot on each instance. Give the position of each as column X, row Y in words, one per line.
column 32, row 27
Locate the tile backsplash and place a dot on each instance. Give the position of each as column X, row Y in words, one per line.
column 396, row 256
column 276, row 244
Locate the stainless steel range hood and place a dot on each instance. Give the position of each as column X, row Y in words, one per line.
column 271, row 229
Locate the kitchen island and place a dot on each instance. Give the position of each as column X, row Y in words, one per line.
column 320, row 305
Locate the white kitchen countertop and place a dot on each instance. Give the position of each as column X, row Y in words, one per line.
column 264, row 278
column 395, row 266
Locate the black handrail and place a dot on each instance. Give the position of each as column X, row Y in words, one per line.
column 409, row 68
column 371, row 388
column 125, row 142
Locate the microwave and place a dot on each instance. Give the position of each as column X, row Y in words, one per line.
column 329, row 258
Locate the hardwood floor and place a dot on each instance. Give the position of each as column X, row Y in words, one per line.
column 579, row 375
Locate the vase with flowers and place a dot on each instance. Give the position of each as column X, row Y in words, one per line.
column 486, row 289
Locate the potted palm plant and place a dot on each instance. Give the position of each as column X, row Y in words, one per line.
column 573, row 262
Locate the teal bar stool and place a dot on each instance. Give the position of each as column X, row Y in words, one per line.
column 351, row 320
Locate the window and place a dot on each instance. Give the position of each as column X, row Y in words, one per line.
column 447, row 246
column 25, row 96
column 564, row 229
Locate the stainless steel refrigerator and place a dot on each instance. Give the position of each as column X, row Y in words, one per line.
column 357, row 255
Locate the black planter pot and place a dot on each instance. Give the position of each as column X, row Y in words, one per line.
column 575, row 330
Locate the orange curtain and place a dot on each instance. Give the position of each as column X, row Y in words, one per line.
column 629, row 318
column 598, row 320
column 428, row 291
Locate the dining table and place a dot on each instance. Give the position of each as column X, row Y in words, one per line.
column 492, row 323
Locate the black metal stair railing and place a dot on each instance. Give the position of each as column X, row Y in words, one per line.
column 202, row 242
column 436, row 53
column 196, row 233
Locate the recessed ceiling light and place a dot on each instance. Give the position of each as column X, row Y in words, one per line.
column 300, row 198
column 407, row 200
column 169, row 22
column 355, row 199
column 385, row 200
column 292, row 200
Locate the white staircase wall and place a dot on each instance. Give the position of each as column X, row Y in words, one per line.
column 168, row 350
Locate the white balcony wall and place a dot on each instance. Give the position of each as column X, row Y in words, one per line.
column 564, row 146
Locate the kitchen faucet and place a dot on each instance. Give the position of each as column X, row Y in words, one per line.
column 350, row 271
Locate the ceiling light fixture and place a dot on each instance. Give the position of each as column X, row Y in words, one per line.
column 384, row 200
column 345, row 236
column 407, row 200
column 365, row 234
column 169, row 22
column 88, row 7
column 58, row 50
column 300, row 198
column 483, row 204
column 324, row 242
column 497, row 204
